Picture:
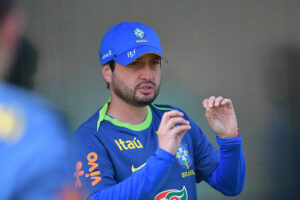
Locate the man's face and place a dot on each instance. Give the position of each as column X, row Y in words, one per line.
column 137, row 83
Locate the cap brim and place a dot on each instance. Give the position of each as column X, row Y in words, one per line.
column 126, row 58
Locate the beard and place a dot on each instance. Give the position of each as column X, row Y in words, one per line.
column 129, row 95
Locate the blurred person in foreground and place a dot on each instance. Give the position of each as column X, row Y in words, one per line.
column 33, row 145
column 134, row 149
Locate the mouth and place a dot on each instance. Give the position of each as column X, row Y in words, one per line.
column 146, row 88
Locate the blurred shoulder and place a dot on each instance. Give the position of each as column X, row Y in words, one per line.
column 26, row 113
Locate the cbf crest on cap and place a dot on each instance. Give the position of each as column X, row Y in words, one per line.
column 127, row 41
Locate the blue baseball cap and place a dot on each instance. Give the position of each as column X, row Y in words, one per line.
column 127, row 41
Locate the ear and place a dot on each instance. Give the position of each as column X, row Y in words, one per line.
column 107, row 73
column 11, row 30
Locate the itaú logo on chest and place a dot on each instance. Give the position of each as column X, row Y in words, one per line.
column 129, row 144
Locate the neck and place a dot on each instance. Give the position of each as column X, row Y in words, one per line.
column 125, row 112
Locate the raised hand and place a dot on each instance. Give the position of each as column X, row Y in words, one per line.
column 171, row 130
column 221, row 116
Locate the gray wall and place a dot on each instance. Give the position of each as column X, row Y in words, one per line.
column 245, row 50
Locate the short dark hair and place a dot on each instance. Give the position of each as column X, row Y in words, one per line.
column 112, row 67
column 5, row 7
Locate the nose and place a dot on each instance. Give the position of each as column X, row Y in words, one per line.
column 147, row 72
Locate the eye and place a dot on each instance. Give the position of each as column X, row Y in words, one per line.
column 156, row 62
column 134, row 63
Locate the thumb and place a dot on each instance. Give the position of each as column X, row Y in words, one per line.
column 208, row 113
column 209, row 116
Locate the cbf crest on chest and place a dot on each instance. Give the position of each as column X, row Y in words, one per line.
column 183, row 156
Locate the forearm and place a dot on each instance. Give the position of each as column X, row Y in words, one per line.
column 142, row 183
column 229, row 176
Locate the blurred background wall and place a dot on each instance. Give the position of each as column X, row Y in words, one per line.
column 248, row 50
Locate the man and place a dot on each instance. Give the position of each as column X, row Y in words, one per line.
column 33, row 147
column 133, row 149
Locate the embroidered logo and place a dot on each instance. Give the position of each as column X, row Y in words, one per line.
column 135, row 169
column 131, row 53
column 183, row 156
column 106, row 55
column 188, row 173
column 173, row 195
column 139, row 33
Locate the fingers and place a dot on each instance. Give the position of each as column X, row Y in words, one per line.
column 180, row 130
column 209, row 103
column 167, row 115
column 173, row 119
column 171, row 130
column 213, row 102
column 208, row 113
column 204, row 103
column 217, row 101
column 226, row 102
column 178, row 120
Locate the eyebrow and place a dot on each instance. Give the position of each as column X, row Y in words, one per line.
column 153, row 58
column 156, row 58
